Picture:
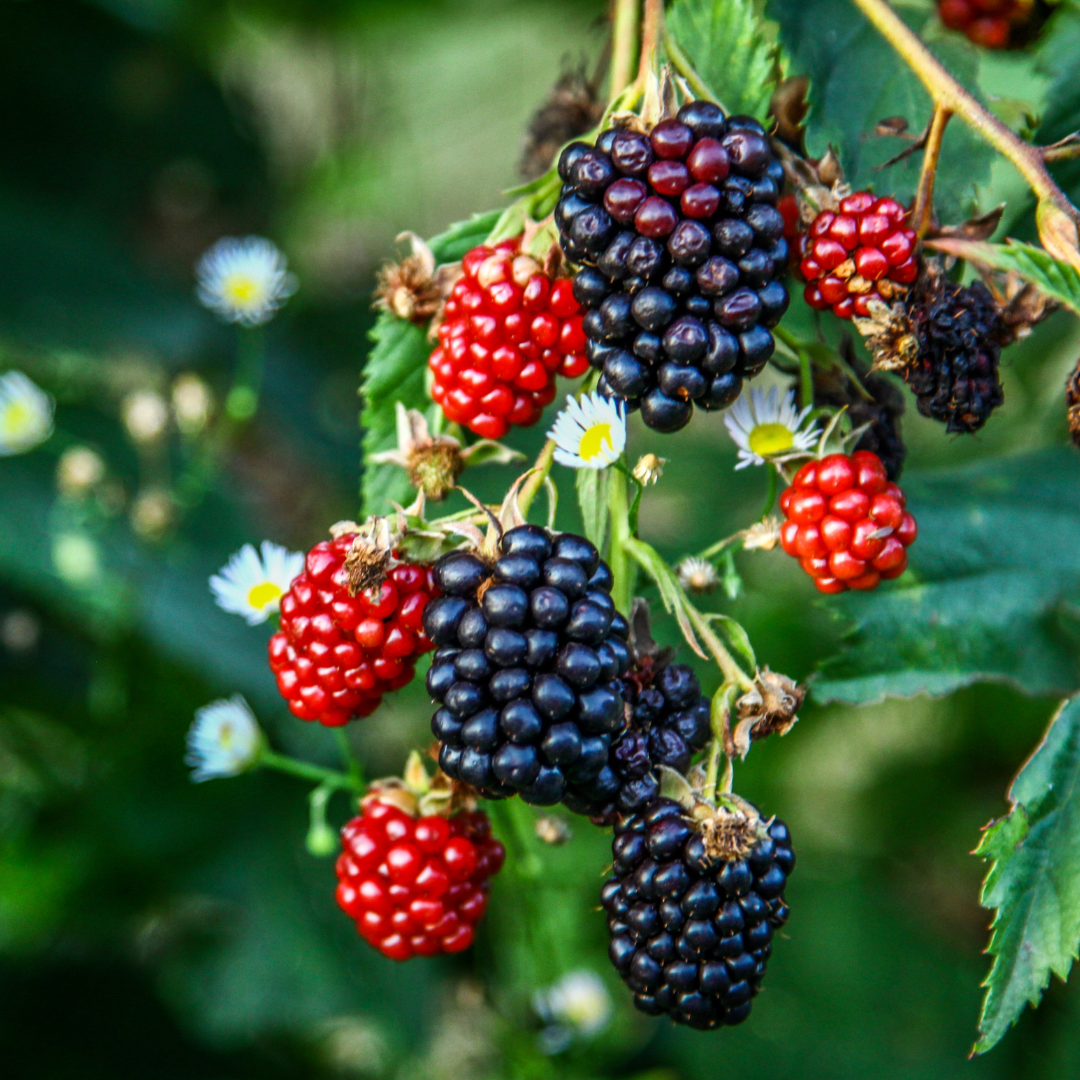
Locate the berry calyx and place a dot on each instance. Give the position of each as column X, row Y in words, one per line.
column 846, row 523
column 339, row 648
column 859, row 252
column 415, row 885
column 693, row 903
column 507, row 330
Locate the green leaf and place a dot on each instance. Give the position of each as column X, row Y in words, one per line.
column 1034, row 881
column 734, row 48
column 857, row 79
column 1058, row 280
column 593, row 488
column 991, row 594
column 395, row 371
column 735, row 638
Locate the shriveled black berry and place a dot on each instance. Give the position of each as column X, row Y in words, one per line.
column 955, row 372
column 531, row 698
column 681, row 223
column 692, row 919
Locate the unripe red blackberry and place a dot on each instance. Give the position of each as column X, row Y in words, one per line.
column 954, row 374
column 846, row 523
column 416, row 886
column 861, row 251
column 338, row 652
column 507, row 330
column 681, row 248
column 667, row 723
column 530, row 649
column 993, row 24
column 692, row 907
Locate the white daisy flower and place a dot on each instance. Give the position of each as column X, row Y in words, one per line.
column 251, row 585
column 697, row 575
column 223, row 740
column 590, row 433
column 244, row 281
column 577, row 1006
column 769, row 427
column 26, row 414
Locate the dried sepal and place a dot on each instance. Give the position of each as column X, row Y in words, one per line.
column 789, row 107
column 649, row 469
column 697, row 575
column 768, row 708
column 415, row 289
column 573, row 108
column 763, row 535
column 371, row 555
column 890, row 336
column 554, row 831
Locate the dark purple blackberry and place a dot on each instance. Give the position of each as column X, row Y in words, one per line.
column 668, row 722
column 692, row 908
column 955, row 373
column 682, row 255
column 529, row 653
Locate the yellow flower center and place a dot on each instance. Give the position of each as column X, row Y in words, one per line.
column 16, row 419
column 592, row 442
column 241, row 290
column 768, row 439
column 264, row 594
column 225, row 736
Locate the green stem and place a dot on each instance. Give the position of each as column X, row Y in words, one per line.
column 330, row 778
column 770, row 495
column 622, row 570
column 806, row 379
column 536, row 481
column 242, row 401
column 352, row 765
column 685, row 67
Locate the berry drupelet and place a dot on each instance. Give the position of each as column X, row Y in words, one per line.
column 993, row 24
column 507, row 330
column 668, row 722
column 337, row 651
column 846, row 523
column 416, row 886
column 859, row 252
column 955, row 372
column 530, row 650
column 681, row 248
column 692, row 908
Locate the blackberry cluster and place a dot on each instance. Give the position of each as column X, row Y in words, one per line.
column 691, row 933
column 882, row 410
column 955, row 374
column 668, row 722
column 681, row 248
column 530, row 650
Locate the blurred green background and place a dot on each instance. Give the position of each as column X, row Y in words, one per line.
column 152, row 928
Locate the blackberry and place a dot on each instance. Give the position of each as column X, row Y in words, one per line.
column 681, row 250
column 955, row 373
column 529, row 652
column 693, row 905
column 668, row 722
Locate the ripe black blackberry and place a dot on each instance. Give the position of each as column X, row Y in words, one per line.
column 668, row 722
column 529, row 652
column 693, row 905
column 955, row 372
column 682, row 251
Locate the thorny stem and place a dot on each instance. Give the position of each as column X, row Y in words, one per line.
column 719, row 723
column 624, row 25
column 731, row 670
column 330, row 778
column 949, row 95
column 684, row 66
column 922, row 213
column 652, row 28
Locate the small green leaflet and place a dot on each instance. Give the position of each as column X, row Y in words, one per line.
column 395, row 371
column 593, row 488
column 992, row 592
column 1051, row 276
column 734, row 48
column 1034, row 881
